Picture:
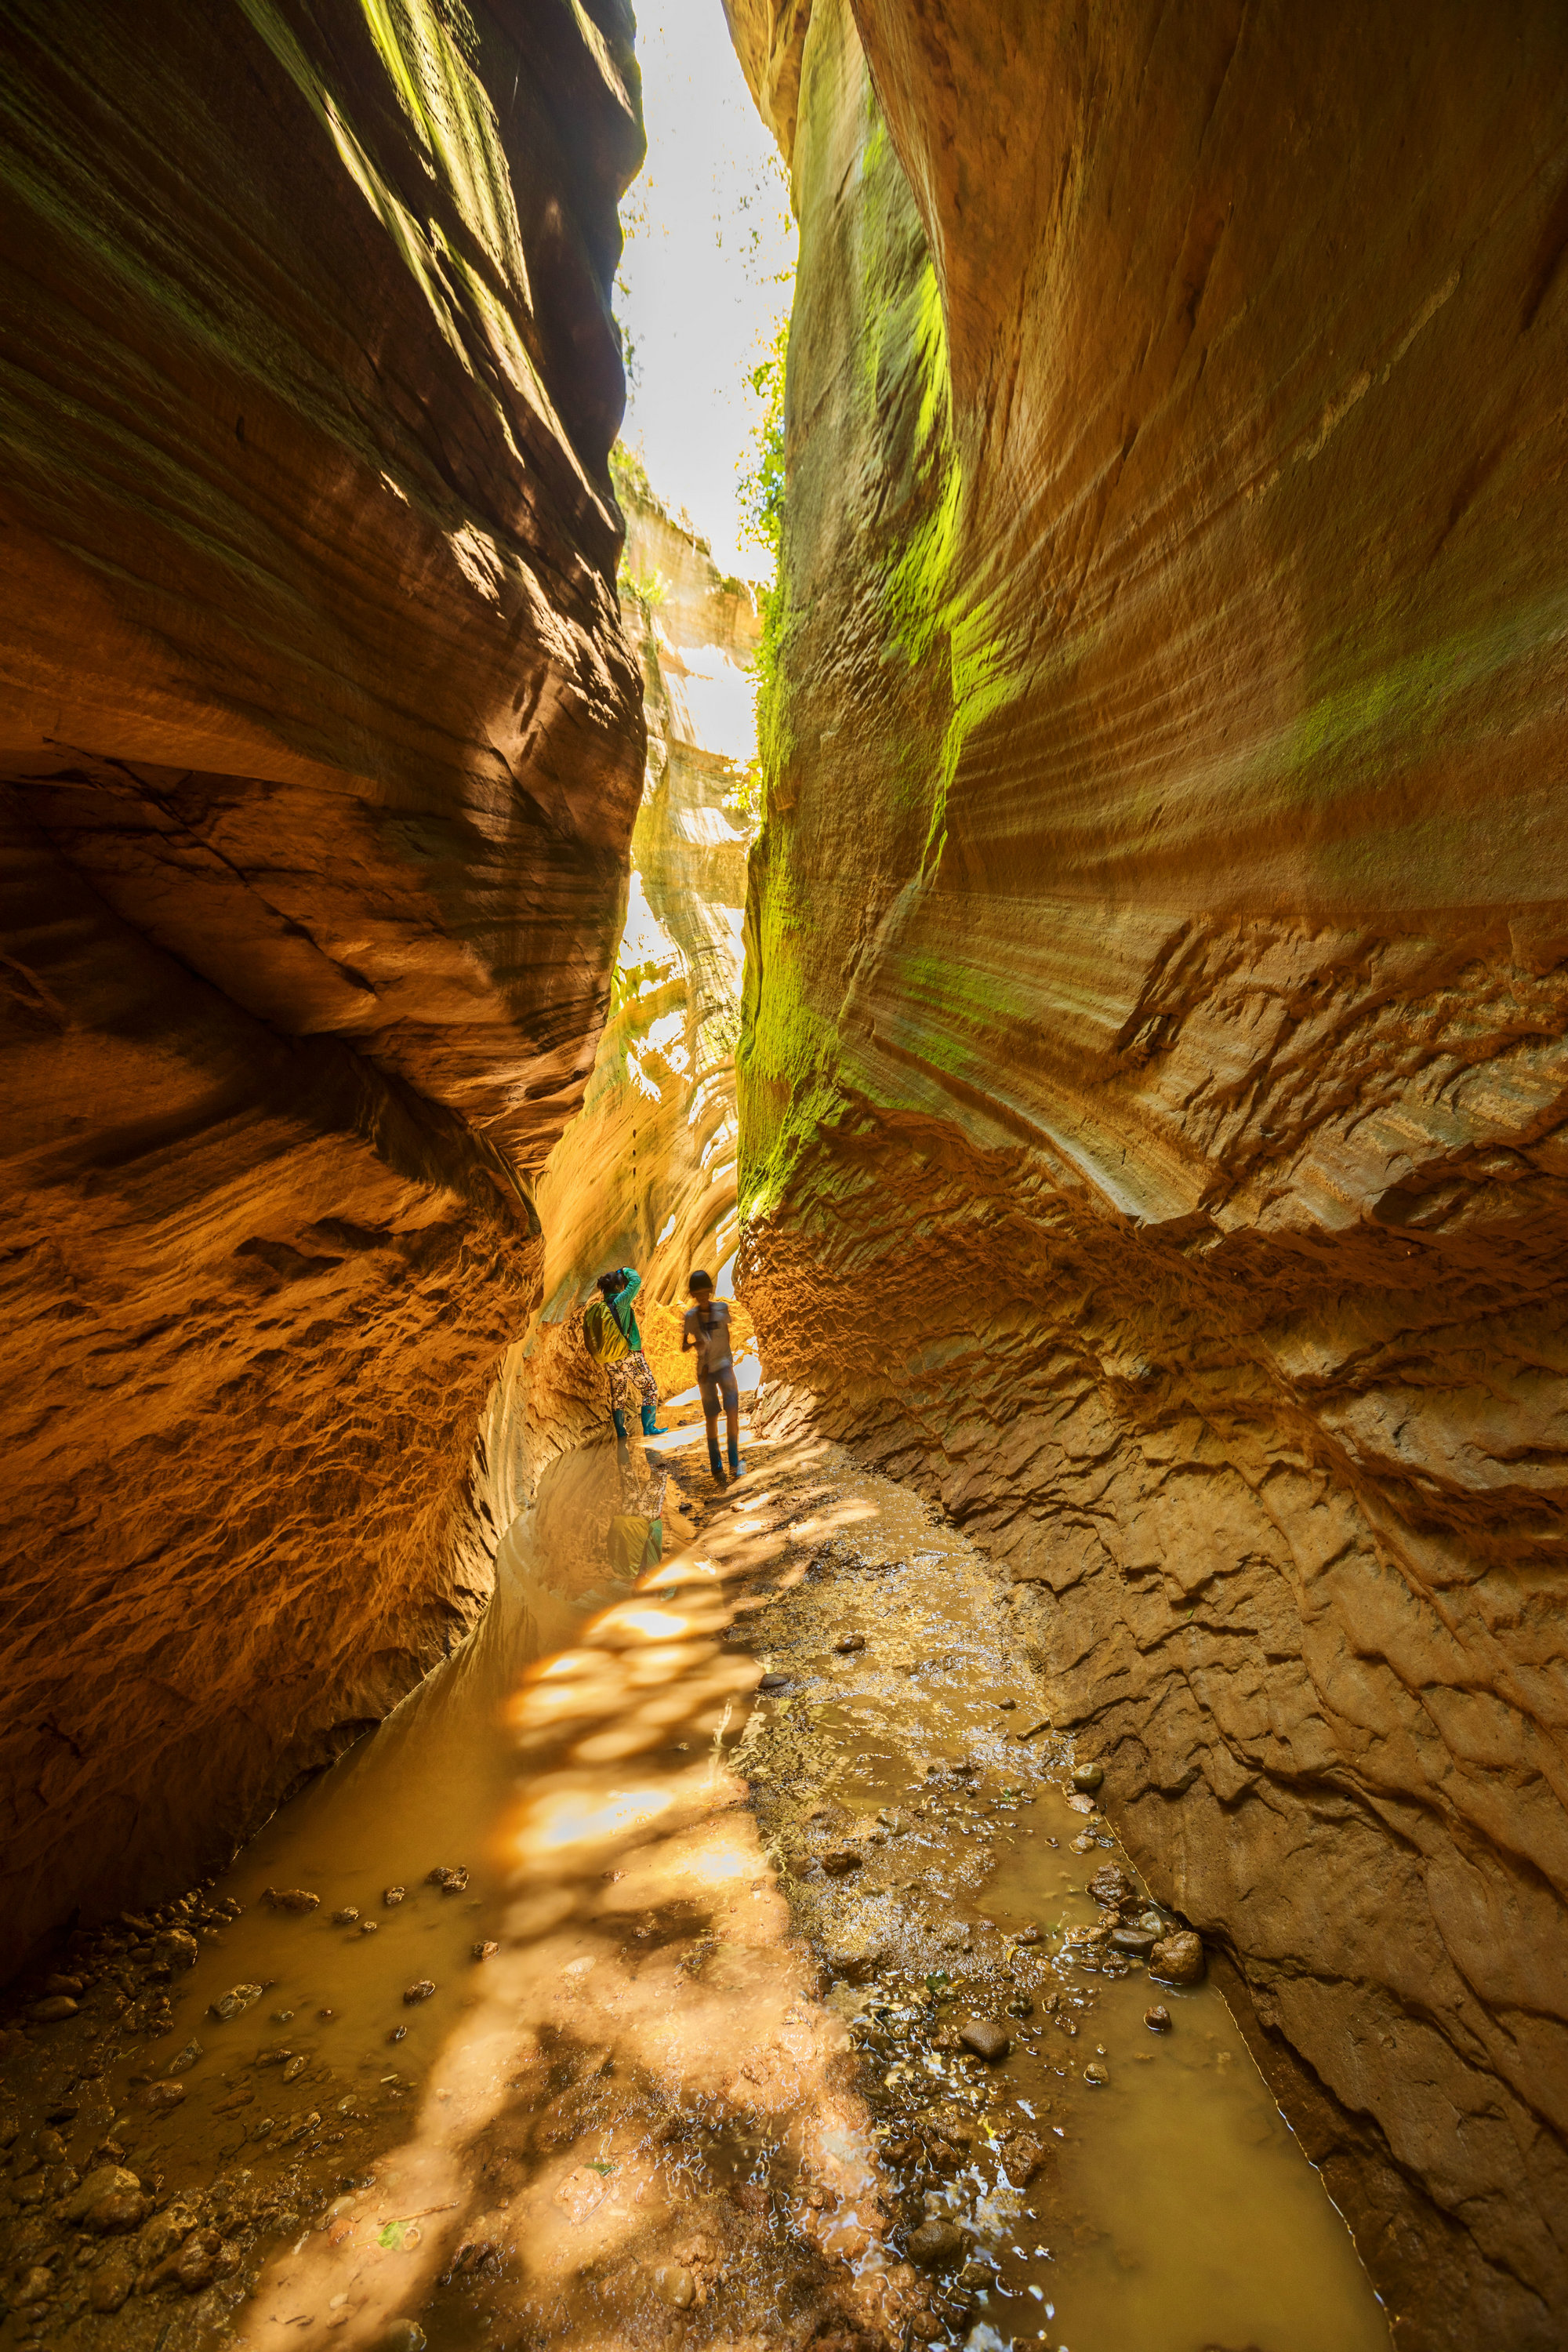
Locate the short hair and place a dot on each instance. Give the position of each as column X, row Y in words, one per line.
column 610, row 1283
column 698, row 1280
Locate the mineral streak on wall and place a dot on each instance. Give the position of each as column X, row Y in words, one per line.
column 321, row 747
column 1154, row 1080
column 647, row 1174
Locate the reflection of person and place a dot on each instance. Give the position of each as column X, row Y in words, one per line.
column 631, row 1371
column 636, row 1537
column 706, row 1328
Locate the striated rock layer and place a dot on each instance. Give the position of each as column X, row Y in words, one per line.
column 1154, row 1080
column 319, row 748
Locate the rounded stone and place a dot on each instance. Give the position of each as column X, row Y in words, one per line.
column 404, row 2336
column 1088, row 1776
column 1178, row 1959
column 935, row 2242
column 1158, row 2019
column 1097, row 2076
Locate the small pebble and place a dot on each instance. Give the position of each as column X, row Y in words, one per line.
column 421, row 1989
column 1095, row 2074
column 676, row 2286
column 1158, row 2019
column 1088, row 1776
column 848, row 1644
column 393, row 1894
column 346, row 1917
column 404, row 2336
column 987, row 2039
column 485, row 1951
column 840, row 1861
column 773, row 1683
column 398, row 2033
column 291, row 1898
column 369, row 1926
column 933, row 2243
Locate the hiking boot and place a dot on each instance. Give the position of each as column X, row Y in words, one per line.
column 716, row 1465
column 651, row 1424
column 736, row 1465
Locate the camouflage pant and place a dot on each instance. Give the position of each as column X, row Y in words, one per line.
column 630, row 1376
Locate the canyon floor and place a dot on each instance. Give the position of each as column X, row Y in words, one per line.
column 711, row 1962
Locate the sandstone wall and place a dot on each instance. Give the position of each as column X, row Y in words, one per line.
column 320, row 748
column 1154, row 1083
column 647, row 1174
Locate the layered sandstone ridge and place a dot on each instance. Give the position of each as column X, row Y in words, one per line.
column 321, row 747
column 646, row 1174
column 1154, row 1080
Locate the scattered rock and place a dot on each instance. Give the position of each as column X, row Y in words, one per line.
column 398, row 2033
column 485, row 1951
column 291, row 1898
column 1158, row 2019
column 450, row 1882
column 34, row 2285
column 326, row 2015
column 1178, row 1959
column 107, row 2287
column 840, row 1860
column 676, row 2286
column 53, row 2011
column 987, row 2039
column 161, row 2096
column 934, row 2242
column 109, row 2199
column 1029, row 1934
column 854, row 1963
column 183, row 2059
column 1088, row 1776
column 180, row 1950
column 1096, row 2075
column 346, row 1917
column 774, row 1683
column 848, row 1644
column 1136, row 1941
column 1023, row 2157
column 369, row 1926
column 1112, row 1885
column 296, row 2065
column 404, row 2336
column 1082, row 1805
column 235, row 2001
column 421, row 1989
column 392, row 1896
column 1084, row 1845
column 72, row 1987
column 1006, row 1705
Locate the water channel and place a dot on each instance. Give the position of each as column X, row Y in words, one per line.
column 632, row 2004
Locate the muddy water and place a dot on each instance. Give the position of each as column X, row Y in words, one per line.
column 691, row 2068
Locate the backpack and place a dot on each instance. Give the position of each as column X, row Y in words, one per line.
column 634, row 1543
column 603, row 1337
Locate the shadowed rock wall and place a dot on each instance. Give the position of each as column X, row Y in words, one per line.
column 320, row 748
column 1155, row 1077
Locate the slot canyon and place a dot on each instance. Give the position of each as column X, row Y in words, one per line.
column 1103, row 1020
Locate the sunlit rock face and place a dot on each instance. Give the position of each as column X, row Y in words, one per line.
column 647, row 1174
column 322, row 746
column 1153, row 1079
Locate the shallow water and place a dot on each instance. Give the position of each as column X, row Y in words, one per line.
column 648, row 2114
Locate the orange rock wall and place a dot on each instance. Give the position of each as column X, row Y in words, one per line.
column 1155, row 1081
column 320, row 752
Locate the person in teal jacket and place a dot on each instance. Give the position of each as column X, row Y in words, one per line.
column 618, row 1288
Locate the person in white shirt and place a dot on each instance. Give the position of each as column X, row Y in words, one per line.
column 706, row 1328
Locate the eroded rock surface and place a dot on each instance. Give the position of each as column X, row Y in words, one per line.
column 321, row 749
column 1155, row 1077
